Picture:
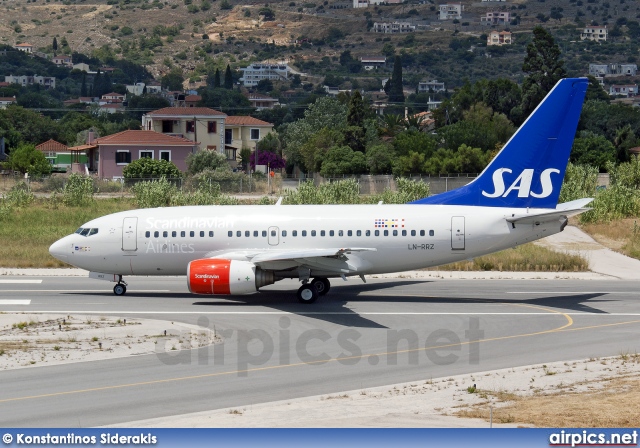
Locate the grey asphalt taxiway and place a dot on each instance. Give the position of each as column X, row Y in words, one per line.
column 360, row 335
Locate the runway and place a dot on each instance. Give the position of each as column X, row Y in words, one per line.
column 359, row 335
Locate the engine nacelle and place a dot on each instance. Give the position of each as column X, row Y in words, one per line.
column 217, row 276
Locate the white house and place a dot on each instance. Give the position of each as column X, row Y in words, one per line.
column 597, row 33
column 433, row 85
column 450, row 11
column 255, row 73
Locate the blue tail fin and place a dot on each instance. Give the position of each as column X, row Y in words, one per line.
column 529, row 170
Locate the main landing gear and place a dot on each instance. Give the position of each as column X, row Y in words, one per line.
column 121, row 287
column 309, row 292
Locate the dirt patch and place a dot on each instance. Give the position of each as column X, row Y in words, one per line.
column 34, row 340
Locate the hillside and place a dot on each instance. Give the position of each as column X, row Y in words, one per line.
column 197, row 35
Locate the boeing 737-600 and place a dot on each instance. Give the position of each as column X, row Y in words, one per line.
column 239, row 249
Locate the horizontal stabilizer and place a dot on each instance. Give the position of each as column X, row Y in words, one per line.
column 563, row 211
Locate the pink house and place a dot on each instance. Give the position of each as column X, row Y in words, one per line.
column 109, row 155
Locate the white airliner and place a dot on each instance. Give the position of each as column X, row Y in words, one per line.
column 239, row 249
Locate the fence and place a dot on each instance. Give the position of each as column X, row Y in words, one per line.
column 241, row 184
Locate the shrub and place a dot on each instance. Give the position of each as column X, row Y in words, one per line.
column 206, row 160
column 341, row 192
column 154, row 193
column 579, row 182
column 78, row 190
column 151, row 168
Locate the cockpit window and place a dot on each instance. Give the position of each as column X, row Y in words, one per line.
column 86, row 231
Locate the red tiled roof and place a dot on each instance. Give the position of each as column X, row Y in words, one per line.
column 186, row 111
column 8, row 98
column 52, row 146
column 143, row 138
column 24, row 45
column 242, row 120
column 192, row 98
column 113, row 94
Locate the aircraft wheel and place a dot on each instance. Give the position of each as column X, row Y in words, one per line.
column 119, row 289
column 323, row 285
column 307, row 293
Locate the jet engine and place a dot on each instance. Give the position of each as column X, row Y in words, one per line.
column 218, row 276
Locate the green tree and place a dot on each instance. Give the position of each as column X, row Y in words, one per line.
column 595, row 91
column 222, row 99
column 380, row 158
column 173, row 80
column 228, row 78
column 502, row 95
column 216, row 79
column 27, row 159
column 396, row 93
column 324, row 113
column 341, row 160
column 354, row 134
column 592, row 149
column 313, row 152
column 151, row 168
column 54, row 45
column 206, row 160
column 543, row 67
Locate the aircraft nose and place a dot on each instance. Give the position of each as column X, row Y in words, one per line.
column 60, row 249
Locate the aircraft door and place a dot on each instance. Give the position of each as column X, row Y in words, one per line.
column 457, row 233
column 130, row 234
column 273, row 238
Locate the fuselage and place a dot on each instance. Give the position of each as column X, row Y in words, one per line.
column 162, row 241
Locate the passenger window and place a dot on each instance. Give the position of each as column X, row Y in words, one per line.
column 431, row 233
column 183, row 234
column 174, row 234
column 331, row 233
column 404, row 233
column 340, row 233
column 165, row 234
column 377, row 233
column 156, row 234
column 304, row 233
column 255, row 233
column 422, row 233
column 239, row 233
column 264, row 233
column 368, row 233
column 192, row 233
column 322, row 233
column 395, row 233
column 93, row 232
column 202, row 234
column 247, row 233
column 294, row 233
column 284, row 233
column 313, row 233
column 349, row 233
column 359, row 233
column 413, row 233
column 147, row 234
column 273, row 233
column 210, row 233
column 386, row 233
column 230, row 233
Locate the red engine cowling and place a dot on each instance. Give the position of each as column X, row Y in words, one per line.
column 218, row 276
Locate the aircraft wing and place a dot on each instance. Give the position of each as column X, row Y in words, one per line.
column 337, row 260
column 562, row 211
